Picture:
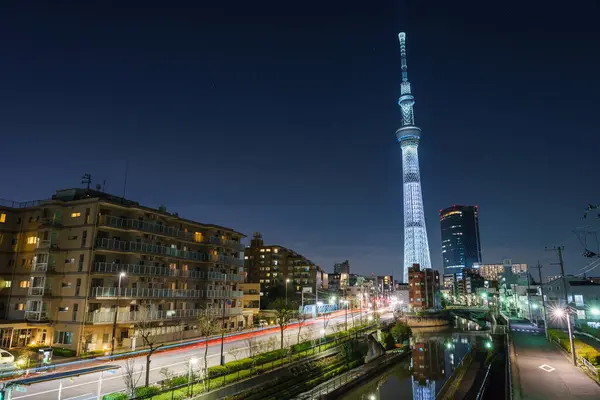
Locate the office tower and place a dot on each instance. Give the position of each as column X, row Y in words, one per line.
column 461, row 247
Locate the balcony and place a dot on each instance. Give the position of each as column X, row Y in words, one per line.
column 36, row 315
column 137, row 269
column 223, row 294
column 149, row 248
column 108, row 317
column 39, row 291
column 39, row 268
column 112, row 292
column 164, row 230
column 45, row 245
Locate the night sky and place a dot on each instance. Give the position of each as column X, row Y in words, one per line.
column 279, row 117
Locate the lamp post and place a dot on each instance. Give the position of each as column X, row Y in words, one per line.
column 345, row 302
column 287, row 281
column 224, row 325
column 114, row 328
column 559, row 312
column 191, row 361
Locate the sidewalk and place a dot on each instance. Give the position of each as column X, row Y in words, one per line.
column 544, row 372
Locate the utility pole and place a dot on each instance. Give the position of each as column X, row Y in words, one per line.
column 528, row 298
column 539, row 268
column 559, row 250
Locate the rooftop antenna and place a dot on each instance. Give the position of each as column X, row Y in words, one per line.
column 126, row 172
column 86, row 179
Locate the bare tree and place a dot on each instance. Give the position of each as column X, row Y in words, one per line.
column 301, row 317
column 145, row 330
column 253, row 348
column 167, row 375
column 235, row 353
column 284, row 313
column 131, row 377
column 87, row 337
column 207, row 327
column 270, row 343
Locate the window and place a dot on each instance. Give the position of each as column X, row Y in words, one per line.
column 63, row 309
column 80, row 266
column 275, row 250
column 198, row 236
column 2, row 218
column 72, row 237
column 580, row 314
column 579, row 299
column 69, row 260
column 105, row 338
column 75, row 214
column 63, row 337
column 24, row 284
column 32, row 240
column 262, row 250
column 75, row 309
column 20, row 307
column 7, row 284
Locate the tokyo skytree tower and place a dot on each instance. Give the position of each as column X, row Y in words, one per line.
column 416, row 246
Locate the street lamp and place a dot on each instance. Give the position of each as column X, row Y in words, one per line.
column 560, row 313
column 114, row 328
column 287, row 281
column 192, row 360
column 346, row 303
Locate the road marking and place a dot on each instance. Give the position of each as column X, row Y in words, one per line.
column 546, row 368
column 81, row 395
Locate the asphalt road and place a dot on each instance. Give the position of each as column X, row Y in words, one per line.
column 177, row 361
column 544, row 371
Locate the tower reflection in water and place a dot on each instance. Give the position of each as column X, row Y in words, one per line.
column 428, row 365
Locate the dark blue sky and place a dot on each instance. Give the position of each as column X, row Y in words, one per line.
column 279, row 117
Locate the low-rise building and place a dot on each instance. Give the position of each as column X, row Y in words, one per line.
column 583, row 297
column 250, row 302
column 84, row 269
column 492, row 272
column 423, row 288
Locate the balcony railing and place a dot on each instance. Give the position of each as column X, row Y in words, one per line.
column 40, row 267
column 36, row 315
column 223, row 294
column 105, row 317
column 39, row 291
column 44, row 244
column 144, row 226
column 137, row 269
column 145, row 292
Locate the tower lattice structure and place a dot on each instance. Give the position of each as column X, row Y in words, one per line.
column 416, row 245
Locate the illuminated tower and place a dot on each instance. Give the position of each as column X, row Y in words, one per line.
column 416, row 246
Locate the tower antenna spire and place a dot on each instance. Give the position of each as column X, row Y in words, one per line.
column 402, row 38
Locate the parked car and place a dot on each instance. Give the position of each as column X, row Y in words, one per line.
column 6, row 357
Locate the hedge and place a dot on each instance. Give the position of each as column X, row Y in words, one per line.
column 581, row 349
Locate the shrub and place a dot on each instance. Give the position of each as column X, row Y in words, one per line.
column 581, row 349
column 115, row 396
column 57, row 351
column 147, row 391
column 389, row 342
column 400, row 332
column 177, row 381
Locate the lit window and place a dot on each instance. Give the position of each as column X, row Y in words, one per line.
column 20, row 306
column 245, row 257
column 268, row 250
column 7, row 284
column 63, row 309
column 275, row 250
column 75, row 214
column 2, row 218
column 24, row 284
column 262, row 250
column 32, row 240
column 580, row 314
column 198, row 236
column 262, row 281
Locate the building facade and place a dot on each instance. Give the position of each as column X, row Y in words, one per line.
column 583, row 297
column 274, row 265
column 250, row 302
column 423, row 288
column 492, row 272
column 85, row 264
column 342, row 268
column 461, row 247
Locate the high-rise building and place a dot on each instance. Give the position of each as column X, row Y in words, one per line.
column 461, row 247
column 85, row 267
column 275, row 265
column 416, row 245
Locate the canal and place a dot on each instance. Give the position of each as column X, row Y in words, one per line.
column 435, row 354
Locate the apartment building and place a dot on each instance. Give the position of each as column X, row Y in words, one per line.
column 84, row 264
column 423, row 288
column 250, row 302
column 274, row 265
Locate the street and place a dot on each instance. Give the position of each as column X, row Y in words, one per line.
column 86, row 387
column 544, row 370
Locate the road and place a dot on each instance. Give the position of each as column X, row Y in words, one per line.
column 543, row 369
column 177, row 361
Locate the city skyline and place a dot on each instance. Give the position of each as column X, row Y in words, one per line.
column 238, row 102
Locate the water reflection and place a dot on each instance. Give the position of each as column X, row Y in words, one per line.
column 435, row 354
